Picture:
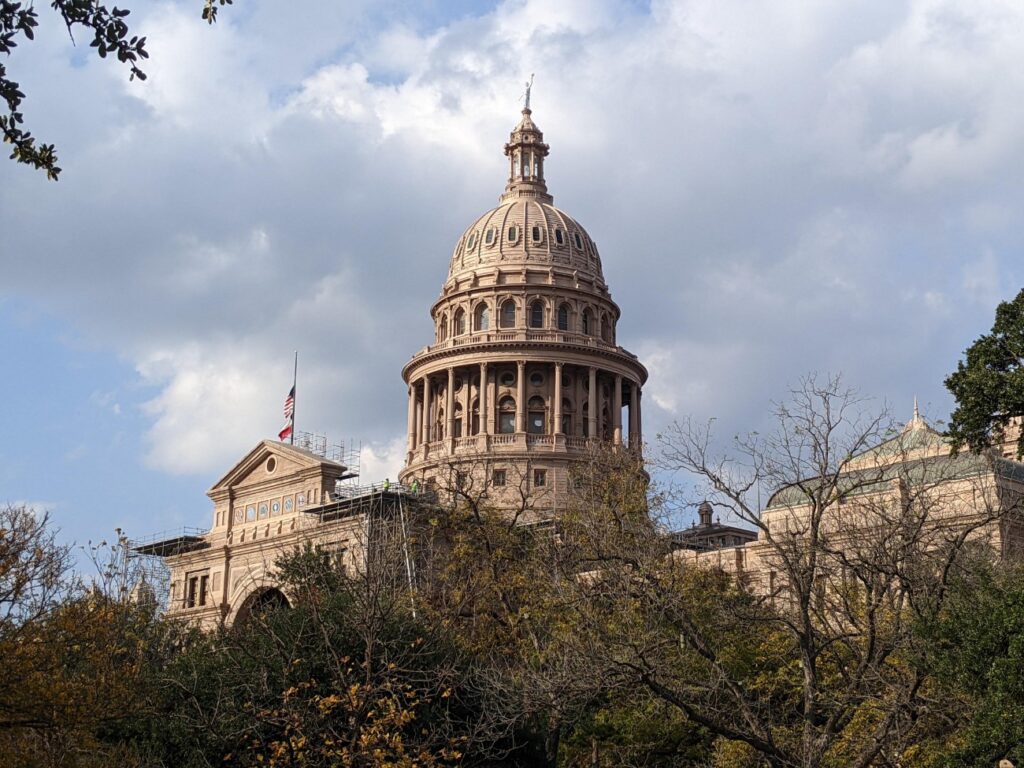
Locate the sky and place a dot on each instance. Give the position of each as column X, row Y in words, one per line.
column 775, row 189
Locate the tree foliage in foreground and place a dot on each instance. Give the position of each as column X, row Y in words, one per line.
column 888, row 635
column 988, row 383
column 111, row 36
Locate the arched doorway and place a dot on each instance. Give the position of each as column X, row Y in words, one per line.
column 260, row 603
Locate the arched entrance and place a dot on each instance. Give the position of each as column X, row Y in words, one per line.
column 259, row 603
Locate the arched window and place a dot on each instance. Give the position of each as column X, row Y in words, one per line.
column 585, row 419
column 442, row 330
column 457, row 422
column 605, row 331
column 566, row 416
column 586, row 322
column 535, row 416
column 439, row 423
column 507, row 416
column 563, row 317
column 475, row 418
column 481, row 318
column 536, row 234
column 537, row 314
column 508, row 314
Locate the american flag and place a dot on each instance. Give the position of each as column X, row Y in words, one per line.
column 289, row 414
column 289, row 404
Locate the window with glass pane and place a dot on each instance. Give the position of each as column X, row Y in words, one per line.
column 498, row 479
column 536, row 234
column 507, row 423
column 508, row 314
column 540, row 478
column 537, row 314
column 482, row 318
column 563, row 318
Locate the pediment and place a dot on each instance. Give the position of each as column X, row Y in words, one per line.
column 288, row 460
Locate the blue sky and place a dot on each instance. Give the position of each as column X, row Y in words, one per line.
column 774, row 188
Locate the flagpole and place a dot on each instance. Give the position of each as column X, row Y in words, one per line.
column 295, row 380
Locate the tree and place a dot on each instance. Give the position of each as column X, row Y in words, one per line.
column 989, row 383
column 110, row 35
column 806, row 656
column 976, row 655
column 73, row 653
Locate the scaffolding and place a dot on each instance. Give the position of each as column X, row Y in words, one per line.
column 144, row 561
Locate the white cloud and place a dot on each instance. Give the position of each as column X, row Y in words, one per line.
column 774, row 190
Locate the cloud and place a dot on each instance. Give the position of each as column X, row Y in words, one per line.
column 774, row 190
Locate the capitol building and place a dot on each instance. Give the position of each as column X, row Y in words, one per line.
column 523, row 379
column 524, row 376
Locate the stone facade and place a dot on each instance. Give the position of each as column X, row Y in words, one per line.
column 277, row 498
column 524, row 371
column 915, row 475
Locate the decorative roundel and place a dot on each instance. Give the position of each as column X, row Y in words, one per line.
column 275, row 508
column 457, row 385
column 508, row 378
column 566, row 381
column 302, row 500
column 239, row 515
column 271, row 464
column 536, row 378
column 288, row 504
column 264, row 510
column 250, row 512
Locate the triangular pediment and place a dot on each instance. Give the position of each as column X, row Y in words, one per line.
column 252, row 469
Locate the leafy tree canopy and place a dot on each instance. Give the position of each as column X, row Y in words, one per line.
column 988, row 383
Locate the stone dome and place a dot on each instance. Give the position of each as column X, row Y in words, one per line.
column 524, row 231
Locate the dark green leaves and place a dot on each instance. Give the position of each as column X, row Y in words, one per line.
column 989, row 383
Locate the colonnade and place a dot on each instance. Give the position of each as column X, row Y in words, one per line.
column 516, row 397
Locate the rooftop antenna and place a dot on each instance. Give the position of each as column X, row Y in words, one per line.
column 526, row 96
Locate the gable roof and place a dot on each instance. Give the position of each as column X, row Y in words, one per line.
column 267, row 448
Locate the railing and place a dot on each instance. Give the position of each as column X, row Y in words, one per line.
column 484, row 337
column 483, row 442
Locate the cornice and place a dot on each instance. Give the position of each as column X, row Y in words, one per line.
column 543, row 349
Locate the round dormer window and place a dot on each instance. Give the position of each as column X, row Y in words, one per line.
column 271, row 464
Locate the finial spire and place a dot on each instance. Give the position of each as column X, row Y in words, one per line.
column 917, row 413
column 526, row 96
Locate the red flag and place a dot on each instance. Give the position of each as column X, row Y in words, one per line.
column 285, row 433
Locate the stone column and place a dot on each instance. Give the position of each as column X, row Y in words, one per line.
column 418, row 423
column 425, row 429
column 558, row 400
column 633, row 390
column 467, row 402
column 592, row 403
column 450, row 405
column 410, row 420
column 520, row 396
column 639, row 419
column 485, row 424
column 617, row 410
